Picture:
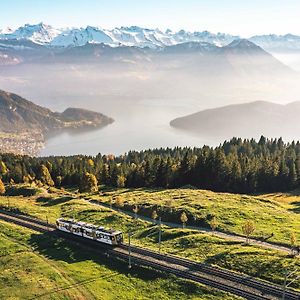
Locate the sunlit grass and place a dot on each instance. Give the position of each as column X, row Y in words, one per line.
column 252, row 260
column 276, row 214
column 42, row 266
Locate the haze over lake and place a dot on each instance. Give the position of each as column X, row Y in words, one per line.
column 138, row 126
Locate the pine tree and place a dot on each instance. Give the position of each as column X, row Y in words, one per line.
column 104, row 175
column 184, row 171
column 292, row 175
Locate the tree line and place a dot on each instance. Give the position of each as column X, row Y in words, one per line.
column 238, row 165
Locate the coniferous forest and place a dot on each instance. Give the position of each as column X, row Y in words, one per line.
column 240, row 166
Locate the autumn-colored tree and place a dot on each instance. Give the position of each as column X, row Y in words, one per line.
column 25, row 179
column 2, row 187
column 3, row 168
column 154, row 215
column 119, row 202
column 45, row 176
column 183, row 219
column 293, row 240
column 168, row 204
column 121, row 181
column 248, row 228
column 89, row 183
column 58, row 180
column 135, row 210
column 213, row 223
column 91, row 163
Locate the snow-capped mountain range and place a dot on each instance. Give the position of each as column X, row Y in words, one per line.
column 47, row 35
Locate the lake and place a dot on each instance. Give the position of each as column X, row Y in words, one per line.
column 138, row 126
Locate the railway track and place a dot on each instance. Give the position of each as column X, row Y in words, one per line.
column 238, row 284
column 263, row 286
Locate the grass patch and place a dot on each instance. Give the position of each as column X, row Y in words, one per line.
column 276, row 215
column 238, row 256
column 42, row 266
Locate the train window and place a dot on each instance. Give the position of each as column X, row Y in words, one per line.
column 99, row 235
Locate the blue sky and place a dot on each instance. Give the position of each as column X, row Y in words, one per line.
column 232, row 16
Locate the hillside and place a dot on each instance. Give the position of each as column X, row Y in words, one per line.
column 230, row 210
column 25, row 125
column 18, row 114
column 244, row 120
column 42, row 266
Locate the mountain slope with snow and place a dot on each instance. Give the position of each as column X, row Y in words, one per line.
column 136, row 36
column 128, row 36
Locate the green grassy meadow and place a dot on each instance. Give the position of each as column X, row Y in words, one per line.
column 42, row 266
column 238, row 256
column 277, row 214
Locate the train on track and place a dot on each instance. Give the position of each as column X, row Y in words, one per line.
column 90, row 231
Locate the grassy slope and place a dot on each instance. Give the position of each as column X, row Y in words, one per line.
column 251, row 260
column 278, row 213
column 39, row 266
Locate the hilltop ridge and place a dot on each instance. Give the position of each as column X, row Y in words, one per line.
column 247, row 120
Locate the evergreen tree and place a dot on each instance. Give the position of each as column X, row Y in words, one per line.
column 241, row 166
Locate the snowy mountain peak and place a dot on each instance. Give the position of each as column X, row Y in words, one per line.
column 6, row 30
column 38, row 33
column 129, row 36
column 44, row 34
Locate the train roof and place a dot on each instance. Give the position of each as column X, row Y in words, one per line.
column 90, row 226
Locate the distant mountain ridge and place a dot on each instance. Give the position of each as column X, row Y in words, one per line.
column 18, row 114
column 244, row 120
column 240, row 56
column 43, row 34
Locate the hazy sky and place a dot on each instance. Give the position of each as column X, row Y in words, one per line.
column 232, row 16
